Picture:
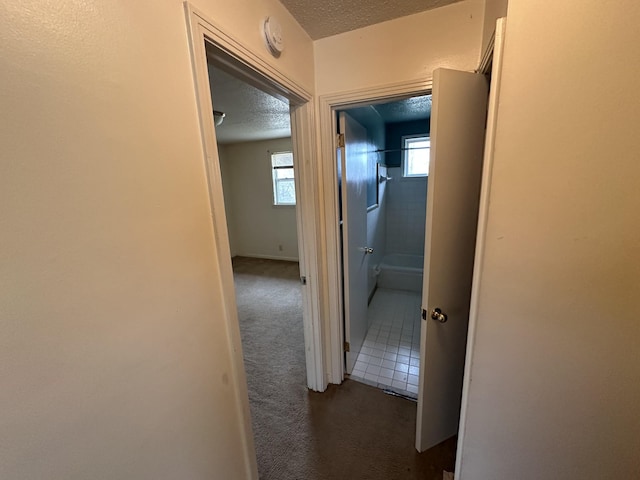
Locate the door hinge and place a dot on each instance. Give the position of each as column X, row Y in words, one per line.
column 347, row 347
column 303, row 280
column 341, row 140
column 424, row 314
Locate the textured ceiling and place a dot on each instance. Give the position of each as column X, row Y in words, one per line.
column 250, row 113
column 329, row 17
column 416, row 108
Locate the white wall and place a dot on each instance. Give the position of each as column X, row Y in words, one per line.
column 225, row 172
column 493, row 9
column 406, row 48
column 115, row 361
column 554, row 375
column 260, row 228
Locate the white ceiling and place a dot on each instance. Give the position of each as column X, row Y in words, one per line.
column 323, row 18
column 250, row 113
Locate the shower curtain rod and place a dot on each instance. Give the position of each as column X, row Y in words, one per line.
column 399, row 149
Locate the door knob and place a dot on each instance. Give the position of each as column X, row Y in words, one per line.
column 366, row 250
column 436, row 314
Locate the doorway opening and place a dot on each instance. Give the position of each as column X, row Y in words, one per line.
column 462, row 135
column 255, row 151
column 386, row 219
column 211, row 46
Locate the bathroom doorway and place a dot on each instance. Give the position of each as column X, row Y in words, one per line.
column 382, row 184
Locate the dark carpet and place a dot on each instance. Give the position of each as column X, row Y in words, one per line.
column 351, row 431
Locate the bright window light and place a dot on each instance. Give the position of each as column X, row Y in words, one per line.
column 284, row 188
column 415, row 161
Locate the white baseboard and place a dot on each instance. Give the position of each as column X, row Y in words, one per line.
column 267, row 257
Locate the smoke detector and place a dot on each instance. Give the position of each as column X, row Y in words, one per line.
column 273, row 36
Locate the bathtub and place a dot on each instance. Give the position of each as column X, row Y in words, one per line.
column 401, row 272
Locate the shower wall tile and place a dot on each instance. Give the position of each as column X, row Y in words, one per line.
column 406, row 213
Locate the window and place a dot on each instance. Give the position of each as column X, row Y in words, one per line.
column 415, row 161
column 284, row 188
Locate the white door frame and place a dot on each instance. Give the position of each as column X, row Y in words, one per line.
column 327, row 106
column 206, row 37
column 491, row 60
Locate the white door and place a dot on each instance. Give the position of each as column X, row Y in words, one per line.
column 353, row 158
column 458, row 119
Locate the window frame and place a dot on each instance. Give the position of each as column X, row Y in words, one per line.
column 405, row 153
column 274, row 180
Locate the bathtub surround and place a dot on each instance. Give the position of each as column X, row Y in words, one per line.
column 401, row 272
column 406, row 213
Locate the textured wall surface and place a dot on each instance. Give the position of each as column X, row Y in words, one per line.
column 554, row 387
column 115, row 359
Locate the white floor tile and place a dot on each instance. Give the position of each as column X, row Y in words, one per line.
column 390, row 356
column 399, row 384
column 412, row 389
column 363, row 357
column 384, row 381
column 371, row 377
column 360, row 365
column 402, row 367
column 373, row 369
column 413, row 380
column 375, row 352
column 400, row 376
column 376, row 361
column 402, row 359
column 390, row 353
column 389, row 364
column 386, row 372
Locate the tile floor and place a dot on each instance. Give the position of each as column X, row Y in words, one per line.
column 390, row 355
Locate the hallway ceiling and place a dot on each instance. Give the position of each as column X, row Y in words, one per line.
column 329, row 17
column 252, row 114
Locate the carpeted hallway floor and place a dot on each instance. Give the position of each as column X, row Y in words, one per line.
column 351, row 431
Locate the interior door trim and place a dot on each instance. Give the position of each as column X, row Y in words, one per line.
column 483, row 212
column 205, row 37
column 327, row 106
